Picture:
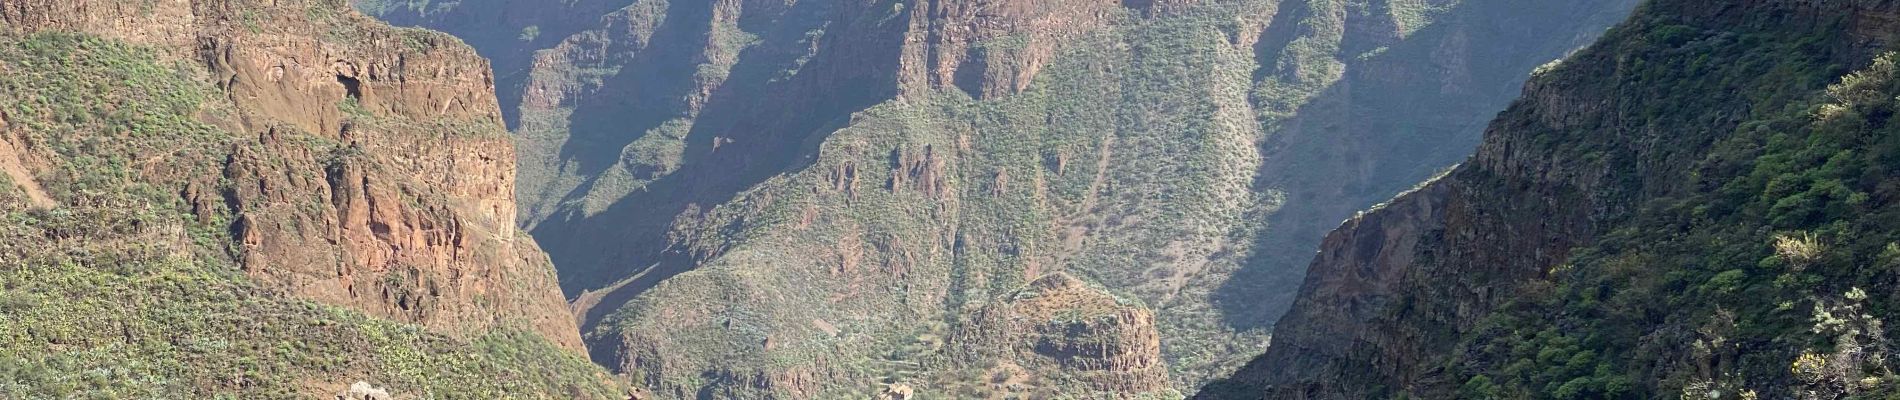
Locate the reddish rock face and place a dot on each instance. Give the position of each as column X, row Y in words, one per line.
column 379, row 176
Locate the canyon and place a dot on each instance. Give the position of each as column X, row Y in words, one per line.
column 924, row 199
column 819, row 198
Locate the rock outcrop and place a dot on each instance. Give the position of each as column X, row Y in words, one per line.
column 1059, row 331
column 363, row 391
column 377, row 174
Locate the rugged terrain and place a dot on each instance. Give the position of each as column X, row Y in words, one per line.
column 263, row 199
column 822, row 198
column 1701, row 204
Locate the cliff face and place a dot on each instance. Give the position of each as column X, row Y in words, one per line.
column 774, row 198
column 989, row 48
column 372, row 172
column 1655, row 217
column 508, row 33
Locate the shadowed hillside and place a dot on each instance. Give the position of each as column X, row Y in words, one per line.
column 1697, row 205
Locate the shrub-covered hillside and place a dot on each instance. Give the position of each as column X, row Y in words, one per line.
column 1768, row 269
column 1700, row 205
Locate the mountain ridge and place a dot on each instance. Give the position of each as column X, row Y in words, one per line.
column 1623, row 194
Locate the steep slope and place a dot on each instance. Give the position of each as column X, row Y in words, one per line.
column 766, row 198
column 203, row 175
column 1688, row 208
column 1401, row 112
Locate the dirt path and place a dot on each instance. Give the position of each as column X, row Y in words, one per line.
column 10, row 165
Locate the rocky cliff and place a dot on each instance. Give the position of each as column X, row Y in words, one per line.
column 380, row 177
column 326, row 156
column 1687, row 208
column 508, row 33
column 796, row 199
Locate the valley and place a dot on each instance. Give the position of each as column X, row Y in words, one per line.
column 948, row 199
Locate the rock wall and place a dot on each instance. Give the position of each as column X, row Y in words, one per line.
column 508, row 33
column 376, row 174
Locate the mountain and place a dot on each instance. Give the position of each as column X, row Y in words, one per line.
column 263, row 199
column 1700, row 204
column 973, row 198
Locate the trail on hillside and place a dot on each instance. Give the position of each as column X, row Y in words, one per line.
column 10, row 164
